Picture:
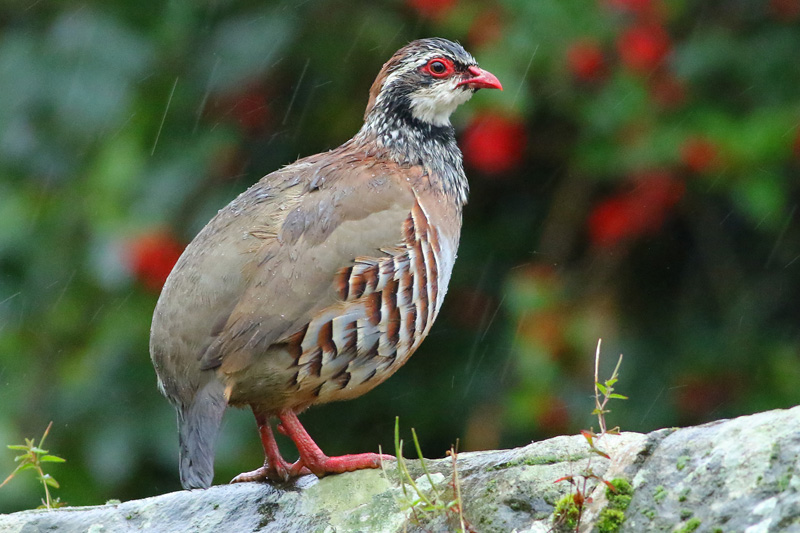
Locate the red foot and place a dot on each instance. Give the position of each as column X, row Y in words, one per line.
column 323, row 465
column 312, row 458
column 275, row 467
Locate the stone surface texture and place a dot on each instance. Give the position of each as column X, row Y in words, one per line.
column 737, row 475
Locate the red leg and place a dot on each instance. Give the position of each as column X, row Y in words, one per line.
column 312, row 458
column 275, row 467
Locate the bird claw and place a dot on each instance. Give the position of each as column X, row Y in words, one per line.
column 299, row 469
column 259, row 474
column 281, row 471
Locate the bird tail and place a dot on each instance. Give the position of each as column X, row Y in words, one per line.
column 198, row 425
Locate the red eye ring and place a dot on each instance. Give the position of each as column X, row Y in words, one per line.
column 439, row 67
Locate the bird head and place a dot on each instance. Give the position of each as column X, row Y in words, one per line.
column 427, row 80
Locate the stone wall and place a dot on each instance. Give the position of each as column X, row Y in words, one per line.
column 737, row 475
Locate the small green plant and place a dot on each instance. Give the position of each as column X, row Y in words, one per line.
column 428, row 503
column 33, row 457
column 577, row 499
column 568, row 512
column 606, row 390
column 572, row 505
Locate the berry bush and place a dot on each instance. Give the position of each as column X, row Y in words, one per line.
column 637, row 181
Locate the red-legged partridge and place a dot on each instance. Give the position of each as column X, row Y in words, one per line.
column 318, row 282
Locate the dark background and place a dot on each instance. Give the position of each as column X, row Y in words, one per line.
column 637, row 181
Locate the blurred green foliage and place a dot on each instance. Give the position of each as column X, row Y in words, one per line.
column 653, row 204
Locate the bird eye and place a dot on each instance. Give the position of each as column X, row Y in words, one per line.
column 439, row 68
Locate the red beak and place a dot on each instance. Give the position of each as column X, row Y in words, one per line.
column 483, row 79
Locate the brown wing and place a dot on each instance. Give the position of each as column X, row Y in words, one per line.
column 353, row 216
column 385, row 306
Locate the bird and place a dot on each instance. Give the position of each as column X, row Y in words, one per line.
column 319, row 281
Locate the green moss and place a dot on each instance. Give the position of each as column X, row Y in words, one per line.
column 622, row 486
column 660, row 494
column 612, row 517
column 610, row 521
column 686, row 513
column 621, row 498
column 684, row 494
column 717, row 530
column 650, row 513
column 621, row 502
column 537, row 461
column 683, row 460
column 565, row 516
column 690, row 526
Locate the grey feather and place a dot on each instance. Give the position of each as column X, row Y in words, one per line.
column 198, row 425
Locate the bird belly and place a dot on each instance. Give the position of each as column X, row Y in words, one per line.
column 266, row 384
column 384, row 309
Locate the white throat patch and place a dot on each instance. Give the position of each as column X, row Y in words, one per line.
column 435, row 104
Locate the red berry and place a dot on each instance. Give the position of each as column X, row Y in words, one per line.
column 494, row 144
column 151, row 257
column 699, row 154
column 636, row 212
column 653, row 199
column 434, row 9
column 644, row 47
column 586, row 61
column 611, row 221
